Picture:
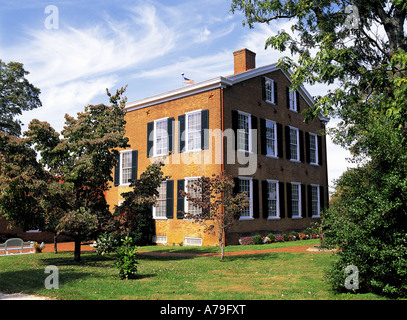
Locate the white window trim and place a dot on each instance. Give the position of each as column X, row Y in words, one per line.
column 316, row 148
column 154, row 209
column 188, row 244
column 159, row 239
column 299, row 201
column 272, row 101
column 298, row 144
column 186, row 190
column 121, row 167
column 155, row 154
column 249, row 119
column 277, row 199
column 250, row 217
column 318, row 202
column 293, row 101
column 275, row 140
column 187, row 114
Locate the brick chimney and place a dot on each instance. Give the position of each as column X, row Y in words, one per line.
column 244, row 60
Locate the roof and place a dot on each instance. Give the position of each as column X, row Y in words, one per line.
column 215, row 83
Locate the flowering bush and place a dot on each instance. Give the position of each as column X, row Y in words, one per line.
column 292, row 237
column 279, row 239
column 246, row 241
column 302, row 236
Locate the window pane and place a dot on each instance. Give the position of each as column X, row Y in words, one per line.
column 313, row 148
column 190, row 186
column 270, row 138
column 272, row 199
column 244, row 186
column 315, row 200
column 194, row 131
column 269, row 91
column 161, row 134
column 161, row 208
column 293, row 144
column 295, row 200
column 125, row 167
column 243, row 132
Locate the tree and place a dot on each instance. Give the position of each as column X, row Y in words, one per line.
column 16, row 95
column 82, row 160
column 360, row 47
column 134, row 216
column 219, row 207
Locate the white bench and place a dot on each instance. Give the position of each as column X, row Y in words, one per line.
column 16, row 244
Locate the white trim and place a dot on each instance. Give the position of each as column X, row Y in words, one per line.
column 193, row 241
column 250, row 217
column 186, row 190
column 299, row 216
column 275, row 139
column 187, row 114
column 316, row 149
column 272, row 101
column 298, row 144
column 277, row 199
column 249, row 119
column 121, row 167
column 318, row 201
column 155, row 137
column 154, row 207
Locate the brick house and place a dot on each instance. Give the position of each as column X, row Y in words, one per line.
column 248, row 124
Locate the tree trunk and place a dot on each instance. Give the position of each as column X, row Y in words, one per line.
column 55, row 243
column 77, row 254
column 222, row 245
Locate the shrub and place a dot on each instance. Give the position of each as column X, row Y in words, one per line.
column 126, row 259
column 285, row 237
column 302, row 236
column 257, row 239
column 272, row 237
column 246, row 241
column 106, row 243
column 279, row 239
column 295, row 234
column 291, row 237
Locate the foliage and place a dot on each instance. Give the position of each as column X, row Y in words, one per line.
column 246, row 241
column 134, row 217
column 106, row 243
column 16, row 95
column 126, row 259
column 220, row 208
column 257, row 239
column 271, row 237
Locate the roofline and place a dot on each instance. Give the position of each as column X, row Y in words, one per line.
column 216, row 83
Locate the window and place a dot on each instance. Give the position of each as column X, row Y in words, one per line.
column 269, row 90
column 315, row 202
column 271, row 138
column 243, row 132
column 160, row 210
column 125, row 167
column 296, row 200
column 160, row 137
column 189, row 187
column 193, row 131
column 294, row 144
column 272, row 199
column 292, row 98
column 190, row 241
column 313, row 148
column 245, row 185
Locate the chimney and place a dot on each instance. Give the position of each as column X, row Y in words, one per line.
column 244, row 60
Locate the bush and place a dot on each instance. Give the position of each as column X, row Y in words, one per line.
column 257, row 239
column 279, row 239
column 285, row 237
column 126, row 259
column 246, row 241
column 295, row 234
column 106, row 243
column 272, row 237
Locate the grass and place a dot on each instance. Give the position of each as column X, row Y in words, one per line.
column 275, row 275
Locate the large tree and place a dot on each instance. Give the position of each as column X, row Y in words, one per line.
column 17, row 94
column 81, row 158
column 360, row 48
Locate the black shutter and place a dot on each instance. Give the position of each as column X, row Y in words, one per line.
column 303, row 202
column 275, row 92
column 289, row 205
column 263, row 88
column 263, row 135
column 205, row 129
column 321, row 197
column 287, row 92
column 181, row 133
column 235, row 123
column 307, row 147
column 254, row 134
column 301, row 142
column 279, row 140
column 170, row 199
column 134, row 159
column 150, row 139
column 255, row 199
column 264, row 196
column 287, row 143
column 298, row 100
column 281, row 199
column 319, row 140
column 236, row 187
column 309, row 190
column 170, row 129
column 180, row 199
column 117, row 171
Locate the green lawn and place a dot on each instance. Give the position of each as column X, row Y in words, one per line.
column 254, row 277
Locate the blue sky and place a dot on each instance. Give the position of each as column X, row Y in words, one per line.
column 143, row 44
